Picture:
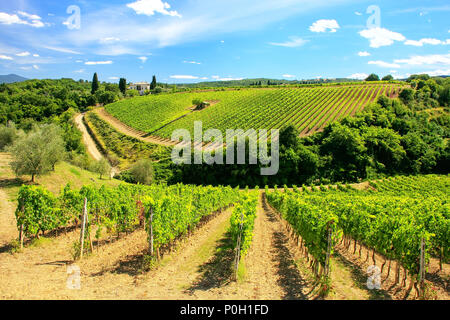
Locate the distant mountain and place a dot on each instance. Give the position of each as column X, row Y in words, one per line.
column 11, row 78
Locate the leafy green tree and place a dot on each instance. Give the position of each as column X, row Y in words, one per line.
column 384, row 145
column 407, row 95
column 95, row 84
column 347, row 152
column 123, row 85
column 373, row 77
column 142, row 171
column 388, row 78
column 102, row 167
column 37, row 152
column 289, row 137
column 8, row 133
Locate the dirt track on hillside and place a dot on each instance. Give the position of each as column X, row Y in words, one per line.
column 87, row 139
column 127, row 130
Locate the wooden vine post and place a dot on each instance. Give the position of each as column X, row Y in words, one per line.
column 238, row 249
column 21, row 228
column 327, row 259
column 150, row 225
column 83, row 228
column 422, row 267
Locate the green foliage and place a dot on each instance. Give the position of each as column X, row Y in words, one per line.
column 392, row 220
column 103, row 168
column 388, row 78
column 142, row 171
column 373, row 77
column 179, row 209
column 8, row 134
column 387, row 137
column 307, row 109
column 119, row 146
column 37, row 211
column 95, row 84
column 123, row 86
column 242, row 220
column 37, row 152
column 153, row 84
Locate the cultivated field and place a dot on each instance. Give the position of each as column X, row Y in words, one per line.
column 308, row 109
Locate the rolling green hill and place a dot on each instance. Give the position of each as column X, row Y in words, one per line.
column 308, row 109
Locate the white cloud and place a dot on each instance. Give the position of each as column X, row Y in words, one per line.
column 384, row 64
column 229, row 79
column 3, row 57
column 191, row 62
column 109, row 40
column 358, row 13
column 36, row 67
column 380, row 37
column 439, row 72
column 23, row 54
column 288, row 76
column 421, row 42
column 6, row 18
column 92, row 63
column 63, row 50
column 79, row 61
column 323, row 25
column 25, row 68
column 113, row 78
column 359, row 76
column 10, row 19
column 149, row 7
column 202, row 20
column 29, row 16
column 183, row 77
column 143, row 59
column 363, row 54
column 36, row 55
column 80, row 71
column 293, row 43
column 204, row 78
column 433, row 59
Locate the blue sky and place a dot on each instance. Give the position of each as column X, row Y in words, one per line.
column 205, row 40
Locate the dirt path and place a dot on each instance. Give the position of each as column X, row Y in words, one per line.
column 8, row 228
column 127, row 130
column 87, row 139
column 90, row 144
column 112, row 272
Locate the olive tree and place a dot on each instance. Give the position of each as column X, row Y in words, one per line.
column 142, row 171
column 37, row 152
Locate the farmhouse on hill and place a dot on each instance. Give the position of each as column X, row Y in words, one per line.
column 140, row 86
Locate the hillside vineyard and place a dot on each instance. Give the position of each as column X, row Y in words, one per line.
column 308, row 109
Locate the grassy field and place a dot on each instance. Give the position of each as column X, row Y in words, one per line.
column 64, row 173
column 308, row 109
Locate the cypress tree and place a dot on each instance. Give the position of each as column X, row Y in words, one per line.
column 95, row 84
column 123, row 85
column 153, row 84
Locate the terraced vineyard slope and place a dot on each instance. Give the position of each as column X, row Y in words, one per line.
column 308, row 109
